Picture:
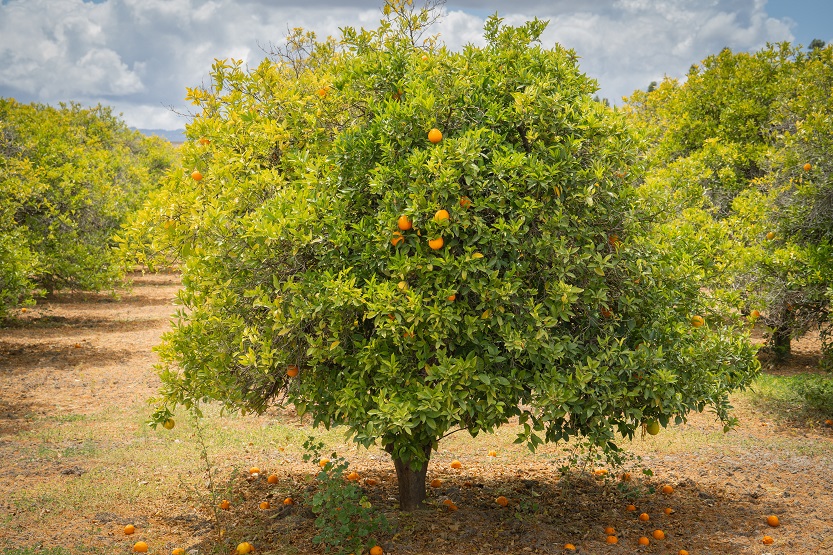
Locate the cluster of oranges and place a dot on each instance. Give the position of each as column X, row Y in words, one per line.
column 142, row 547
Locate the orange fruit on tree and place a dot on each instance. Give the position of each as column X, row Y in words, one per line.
column 610, row 530
column 129, row 529
column 770, row 236
column 644, row 517
column 697, row 321
column 456, row 464
column 773, row 521
column 404, row 223
column 630, row 508
column 322, row 92
column 644, row 541
column 652, row 427
column 441, row 215
column 435, row 135
column 288, row 501
column 225, row 504
column 436, row 482
column 436, row 244
column 658, row 534
column 502, row 501
column 196, row 175
column 291, row 370
column 204, row 141
column 272, row 479
column 667, row 489
column 264, row 505
column 451, row 297
column 140, row 547
column 396, row 238
column 376, row 550
column 768, row 540
column 465, row 202
column 808, row 166
column 612, row 539
column 353, row 476
column 169, row 424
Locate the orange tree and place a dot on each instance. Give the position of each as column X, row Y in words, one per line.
column 339, row 253
column 68, row 178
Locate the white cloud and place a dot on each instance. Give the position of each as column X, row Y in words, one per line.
column 140, row 55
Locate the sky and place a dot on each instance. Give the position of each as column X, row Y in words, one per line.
column 138, row 56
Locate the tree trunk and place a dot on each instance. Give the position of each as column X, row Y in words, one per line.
column 781, row 342
column 411, row 483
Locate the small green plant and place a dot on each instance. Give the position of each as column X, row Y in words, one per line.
column 817, row 392
column 346, row 521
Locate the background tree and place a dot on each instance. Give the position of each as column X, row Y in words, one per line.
column 68, row 178
column 339, row 253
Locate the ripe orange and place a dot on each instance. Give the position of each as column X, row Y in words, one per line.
column 370, row 481
column 610, row 530
column 600, row 471
column 140, row 547
column 441, row 215
column 292, row 371
column 353, row 476
column 448, row 502
column 773, row 521
column 658, row 535
column 493, row 453
column 614, row 240
column 323, row 462
column 644, row 517
column 204, row 141
column 755, row 314
column 169, row 424
column 668, row 511
column 644, row 541
column 452, row 297
column 606, row 312
column 264, row 505
column 376, row 550
column 196, row 175
column 225, row 504
column 465, row 202
column 808, row 166
column 244, row 548
column 129, row 529
column 666, row 489
column 456, row 464
column 397, row 238
column 436, row 482
column 829, row 422
column 502, row 501
column 768, row 540
column 272, row 479
column 630, row 508
column 682, row 552
column 569, row 547
column 178, row 551
column 770, row 236
column 322, row 92
column 254, row 470
column 404, row 223
column 626, row 476
column 435, row 135
column 424, row 57
column 612, row 539
column 436, row 244
column 287, row 501
column 697, row 321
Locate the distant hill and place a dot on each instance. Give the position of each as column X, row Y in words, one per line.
column 176, row 136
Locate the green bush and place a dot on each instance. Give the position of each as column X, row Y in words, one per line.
column 817, row 393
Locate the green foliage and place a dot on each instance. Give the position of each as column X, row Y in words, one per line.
column 346, row 521
column 817, row 392
column 68, row 178
column 547, row 301
column 727, row 156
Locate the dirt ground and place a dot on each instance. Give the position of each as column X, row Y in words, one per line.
column 84, row 357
